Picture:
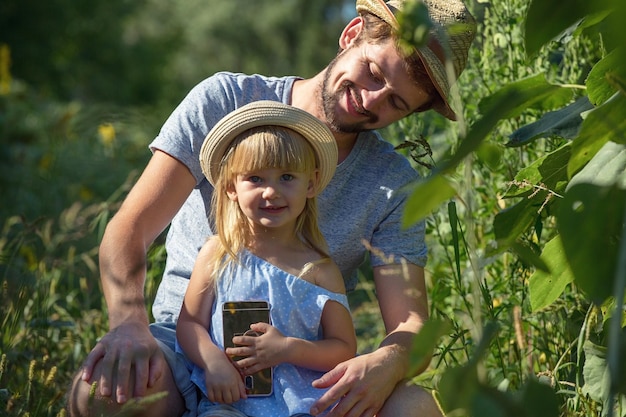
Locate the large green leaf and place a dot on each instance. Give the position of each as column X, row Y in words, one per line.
column 510, row 101
column 590, row 221
column 426, row 196
column 424, row 343
column 539, row 400
column 540, row 184
column 548, row 172
column 564, row 123
column 533, row 92
column 607, row 167
column 512, row 222
column 546, row 287
column 457, row 387
column 548, row 18
column 606, row 77
column 596, row 373
column 527, row 254
column 606, row 123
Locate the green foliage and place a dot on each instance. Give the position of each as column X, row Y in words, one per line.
column 570, row 209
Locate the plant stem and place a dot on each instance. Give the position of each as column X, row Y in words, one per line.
column 615, row 326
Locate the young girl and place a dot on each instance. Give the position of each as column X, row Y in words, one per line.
column 267, row 161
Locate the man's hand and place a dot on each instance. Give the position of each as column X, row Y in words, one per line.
column 128, row 354
column 362, row 385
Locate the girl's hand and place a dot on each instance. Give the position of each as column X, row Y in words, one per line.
column 223, row 381
column 260, row 351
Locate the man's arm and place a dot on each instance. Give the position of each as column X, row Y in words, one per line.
column 147, row 210
column 401, row 293
column 364, row 384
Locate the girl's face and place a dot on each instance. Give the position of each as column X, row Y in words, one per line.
column 272, row 197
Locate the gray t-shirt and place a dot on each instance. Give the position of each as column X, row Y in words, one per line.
column 364, row 200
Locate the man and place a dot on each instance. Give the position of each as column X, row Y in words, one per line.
column 369, row 85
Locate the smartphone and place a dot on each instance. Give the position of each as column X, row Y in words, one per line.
column 237, row 316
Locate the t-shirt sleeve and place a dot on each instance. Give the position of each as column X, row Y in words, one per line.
column 391, row 240
column 184, row 131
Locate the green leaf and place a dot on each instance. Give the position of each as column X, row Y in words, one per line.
column 490, row 154
column 457, row 387
column 539, row 400
column 454, row 231
column 512, row 222
column 533, row 92
column 549, row 172
column 528, row 255
column 596, row 373
column 564, row 123
column 414, row 25
column 426, row 197
column 606, row 76
column 546, row 19
column 590, row 220
column 424, row 343
column 546, row 287
column 510, row 101
column 605, row 123
column 541, row 183
column 607, row 167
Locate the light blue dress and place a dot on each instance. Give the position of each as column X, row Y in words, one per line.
column 295, row 309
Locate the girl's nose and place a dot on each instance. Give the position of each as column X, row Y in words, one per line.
column 270, row 192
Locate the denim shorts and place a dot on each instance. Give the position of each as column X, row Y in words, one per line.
column 208, row 409
column 165, row 334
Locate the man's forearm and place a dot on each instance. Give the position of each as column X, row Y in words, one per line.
column 123, row 271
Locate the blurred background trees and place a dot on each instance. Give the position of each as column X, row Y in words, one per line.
column 148, row 51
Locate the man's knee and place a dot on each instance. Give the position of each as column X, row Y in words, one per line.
column 409, row 400
column 84, row 399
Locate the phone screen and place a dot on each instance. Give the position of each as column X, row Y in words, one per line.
column 237, row 316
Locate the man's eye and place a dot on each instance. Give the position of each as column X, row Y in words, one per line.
column 395, row 105
column 375, row 76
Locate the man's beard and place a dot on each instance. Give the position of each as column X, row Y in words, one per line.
column 331, row 99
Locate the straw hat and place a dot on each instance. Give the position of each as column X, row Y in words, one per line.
column 445, row 42
column 269, row 113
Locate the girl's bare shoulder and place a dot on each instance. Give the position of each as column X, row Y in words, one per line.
column 325, row 273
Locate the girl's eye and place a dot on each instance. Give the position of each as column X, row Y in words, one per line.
column 287, row 177
column 254, row 178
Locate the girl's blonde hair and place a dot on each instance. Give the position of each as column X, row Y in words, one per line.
column 260, row 148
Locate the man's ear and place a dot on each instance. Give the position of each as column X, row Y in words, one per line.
column 350, row 32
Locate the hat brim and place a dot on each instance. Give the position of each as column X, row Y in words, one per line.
column 269, row 113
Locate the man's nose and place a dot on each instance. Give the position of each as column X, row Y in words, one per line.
column 372, row 99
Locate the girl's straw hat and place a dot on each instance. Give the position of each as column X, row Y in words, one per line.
column 449, row 40
column 269, row 113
